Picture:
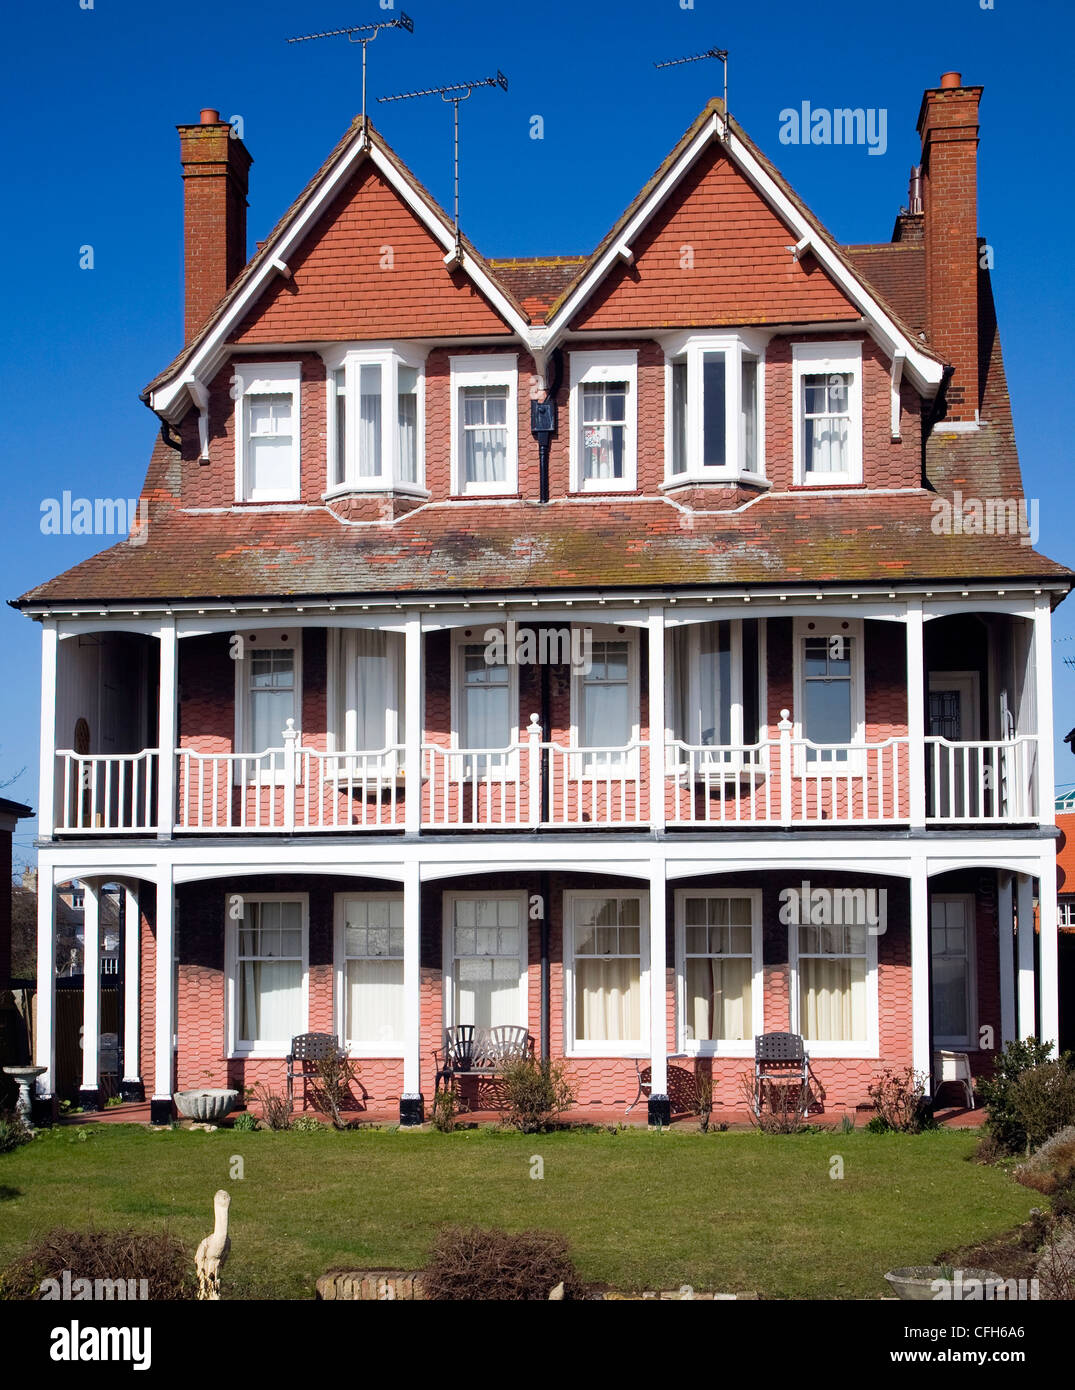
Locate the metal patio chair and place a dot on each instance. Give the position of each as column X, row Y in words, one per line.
column 472, row 1051
column 307, row 1049
column 780, row 1059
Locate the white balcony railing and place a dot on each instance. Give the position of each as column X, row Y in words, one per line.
column 533, row 782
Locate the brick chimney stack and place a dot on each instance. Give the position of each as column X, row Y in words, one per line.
column 215, row 171
column 948, row 125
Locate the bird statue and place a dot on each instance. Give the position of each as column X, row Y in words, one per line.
column 213, row 1251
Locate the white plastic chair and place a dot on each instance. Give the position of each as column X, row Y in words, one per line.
column 954, row 1066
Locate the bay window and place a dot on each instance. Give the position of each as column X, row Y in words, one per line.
column 714, row 679
column 267, row 431
column 485, row 959
column 715, row 408
column 834, row 993
column 605, row 704
column 719, row 970
column 376, row 419
column 267, row 972
column 606, row 968
column 604, row 413
column 484, row 437
column 827, row 393
column 365, row 700
column 369, row 973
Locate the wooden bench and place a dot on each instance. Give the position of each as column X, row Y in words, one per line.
column 485, row 1052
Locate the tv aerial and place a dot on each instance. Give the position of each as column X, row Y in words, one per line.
column 365, row 35
column 454, row 92
column 719, row 53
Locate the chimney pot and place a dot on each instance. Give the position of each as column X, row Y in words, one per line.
column 951, row 79
column 211, row 116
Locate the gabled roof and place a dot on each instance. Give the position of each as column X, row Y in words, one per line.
column 200, row 357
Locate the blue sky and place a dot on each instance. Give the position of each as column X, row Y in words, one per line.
column 92, row 96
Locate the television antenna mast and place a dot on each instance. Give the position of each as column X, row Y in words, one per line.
column 722, row 55
column 454, row 92
column 363, row 34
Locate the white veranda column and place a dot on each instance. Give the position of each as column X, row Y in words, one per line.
column 412, row 703
column 167, row 725
column 410, row 1103
column 164, row 1002
column 46, row 794
column 91, row 994
column 45, row 1030
column 659, row 1106
column 1048, row 980
column 916, row 715
column 131, row 1087
column 1006, row 947
column 656, row 719
column 921, row 1043
column 1024, row 902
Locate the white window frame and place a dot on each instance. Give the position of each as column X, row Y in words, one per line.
column 815, row 1047
column 677, row 761
column 510, row 770
column 970, row 1042
column 350, row 360
column 810, row 359
column 855, row 763
column 273, row 1047
column 357, row 1047
column 735, row 347
column 266, row 379
column 482, row 369
column 244, row 723
column 448, row 902
column 630, row 1047
column 391, row 764
column 581, row 770
column 720, row 1047
column 592, row 368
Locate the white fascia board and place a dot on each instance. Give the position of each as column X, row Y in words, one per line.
column 213, row 350
column 926, row 372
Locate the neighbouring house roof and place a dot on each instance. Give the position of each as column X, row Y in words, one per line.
column 897, row 270
column 536, row 281
column 14, row 809
column 1065, row 854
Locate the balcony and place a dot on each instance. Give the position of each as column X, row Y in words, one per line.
column 536, row 783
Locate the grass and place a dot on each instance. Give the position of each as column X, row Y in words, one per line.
column 734, row 1212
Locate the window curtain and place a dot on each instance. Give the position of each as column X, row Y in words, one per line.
column 832, row 999
column 374, row 990
column 485, row 435
column 608, row 1000
column 366, row 671
column 718, row 998
column 407, row 423
column 369, row 421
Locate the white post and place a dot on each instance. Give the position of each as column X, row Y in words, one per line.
column 167, row 723
column 290, row 769
column 533, row 771
column 412, row 700
column 921, row 1041
column 1024, row 906
column 656, row 720
column 916, row 714
column 1043, row 683
column 45, row 1029
column 1048, row 981
column 659, row 1105
column 46, row 796
column 91, row 994
column 787, row 770
column 410, row 1102
column 131, row 1082
column 1006, row 947
column 164, row 1032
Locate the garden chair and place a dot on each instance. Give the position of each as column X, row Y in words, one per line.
column 955, row 1067
column 780, row 1059
column 472, row 1051
column 307, row 1049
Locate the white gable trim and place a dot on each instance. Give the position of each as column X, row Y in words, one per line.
column 924, row 370
column 171, row 399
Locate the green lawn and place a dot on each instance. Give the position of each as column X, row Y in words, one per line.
column 733, row 1212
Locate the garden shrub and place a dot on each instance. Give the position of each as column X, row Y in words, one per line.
column 445, row 1106
column 246, row 1122
column 536, row 1092
column 1056, row 1264
column 783, row 1108
column 1051, row 1168
column 899, row 1098
column 1043, row 1101
column 13, row 1133
column 307, row 1124
column 468, row 1262
column 703, row 1100
column 157, row 1257
column 336, row 1074
column 996, row 1091
column 275, row 1111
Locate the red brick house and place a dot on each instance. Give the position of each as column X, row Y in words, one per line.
column 601, row 644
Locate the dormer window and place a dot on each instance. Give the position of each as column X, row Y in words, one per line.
column 714, row 413
column 604, row 412
column 375, row 413
column 267, row 431
column 828, row 412
column 485, row 426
